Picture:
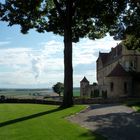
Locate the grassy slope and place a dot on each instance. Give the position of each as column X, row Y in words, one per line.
column 134, row 104
column 40, row 122
column 137, row 108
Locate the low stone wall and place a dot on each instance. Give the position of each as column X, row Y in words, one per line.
column 76, row 101
column 33, row 101
column 103, row 101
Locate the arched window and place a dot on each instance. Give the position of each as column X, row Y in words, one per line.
column 111, row 86
column 125, row 87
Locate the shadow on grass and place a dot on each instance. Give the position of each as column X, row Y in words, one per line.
column 2, row 124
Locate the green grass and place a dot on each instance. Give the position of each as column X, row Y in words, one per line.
column 134, row 104
column 40, row 122
column 137, row 108
column 76, row 93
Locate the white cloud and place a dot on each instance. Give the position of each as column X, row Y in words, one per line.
column 45, row 65
column 32, row 66
column 38, row 65
column 87, row 50
column 49, row 58
column 14, row 56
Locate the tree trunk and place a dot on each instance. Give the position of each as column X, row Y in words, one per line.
column 68, row 76
column 68, row 70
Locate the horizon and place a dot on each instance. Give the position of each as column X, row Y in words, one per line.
column 31, row 88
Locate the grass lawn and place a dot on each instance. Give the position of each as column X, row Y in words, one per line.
column 40, row 122
column 137, row 108
column 135, row 105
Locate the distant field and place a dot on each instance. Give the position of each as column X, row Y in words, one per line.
column 31, row 93
column 40, row 122
column 76, row 92
column 25, row 93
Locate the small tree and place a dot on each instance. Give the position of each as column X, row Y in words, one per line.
column 58, row 88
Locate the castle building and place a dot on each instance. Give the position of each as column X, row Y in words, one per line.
column 87, row 89
column 118, row 73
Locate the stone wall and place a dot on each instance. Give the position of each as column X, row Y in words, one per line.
column 129, row 60
column 122, row 86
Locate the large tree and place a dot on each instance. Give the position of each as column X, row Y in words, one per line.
column 73, row 19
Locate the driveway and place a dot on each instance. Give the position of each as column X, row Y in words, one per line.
column 116, row 122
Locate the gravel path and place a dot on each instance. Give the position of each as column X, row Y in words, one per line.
column 116, row 122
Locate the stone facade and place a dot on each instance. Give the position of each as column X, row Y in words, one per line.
column 87, row 90
column 118, row 74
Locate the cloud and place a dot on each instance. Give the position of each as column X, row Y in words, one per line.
column 49, row 58
column 38, row 65
column 86, row 51
column 14, row 56
column 44, row 66
column 31, row 65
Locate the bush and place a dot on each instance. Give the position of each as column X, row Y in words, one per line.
column 2, row 98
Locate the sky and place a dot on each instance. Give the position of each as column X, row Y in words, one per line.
column 35, row 60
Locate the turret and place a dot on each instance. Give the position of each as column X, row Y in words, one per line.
column 84, row 84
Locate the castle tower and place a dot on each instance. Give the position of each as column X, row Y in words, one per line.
column 84, row 85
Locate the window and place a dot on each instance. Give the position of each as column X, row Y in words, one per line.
column 132, row 65
column 111, row 86
column 127, row 65
column 125, row 87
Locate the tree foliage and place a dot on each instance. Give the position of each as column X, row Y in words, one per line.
column 58, row 88
column 132, row 42
column 130, row 18
column 89, row 19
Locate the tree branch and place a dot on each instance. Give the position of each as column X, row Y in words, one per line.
column 75, row 4
column 58, row 7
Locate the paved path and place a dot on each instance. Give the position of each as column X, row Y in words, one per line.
column 116, row 122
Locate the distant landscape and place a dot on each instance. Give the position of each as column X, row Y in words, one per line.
column 32, row 93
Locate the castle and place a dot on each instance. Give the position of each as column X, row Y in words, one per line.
column 118, row 74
